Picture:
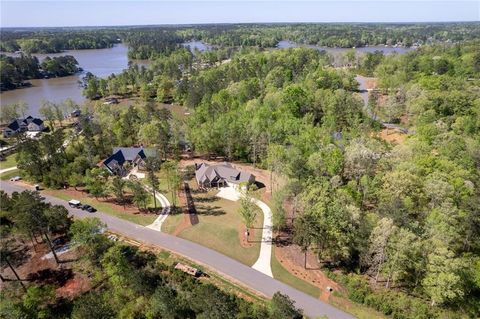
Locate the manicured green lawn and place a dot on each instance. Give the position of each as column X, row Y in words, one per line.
column 141, row 219
column 172, row 222
column 8, row 162
column 284, row 276
column 7, row 175
column 218, row 226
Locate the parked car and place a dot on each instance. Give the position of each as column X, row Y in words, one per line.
column 74, row 203
column 15, row 178
column 88, row 208
column 112, row 237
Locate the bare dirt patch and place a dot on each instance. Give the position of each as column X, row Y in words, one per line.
column 74, row 286
column 392, row 136
column 44, row 271
column 371, row 83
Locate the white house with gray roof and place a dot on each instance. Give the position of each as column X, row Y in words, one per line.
column 220, row 175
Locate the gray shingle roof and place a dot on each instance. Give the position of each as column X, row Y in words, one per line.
column 206, row 173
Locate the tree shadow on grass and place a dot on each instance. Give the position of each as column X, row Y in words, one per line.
column 208, row 199
column 209, row 210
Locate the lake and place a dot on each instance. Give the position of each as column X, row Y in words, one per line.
column 197, row 45
column 101, row 62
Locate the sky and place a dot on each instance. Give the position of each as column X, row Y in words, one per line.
column 18, row 13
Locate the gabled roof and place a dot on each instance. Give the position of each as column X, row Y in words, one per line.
column 37, row 121
column 130, row 153
column 116, row 158
column 17, row 124
column 206, row 173
column 127, row 154
column 14, row 126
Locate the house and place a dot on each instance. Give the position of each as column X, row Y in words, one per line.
column 221, row 175
column 134, row 156
column 36, row 125
column 21, row 125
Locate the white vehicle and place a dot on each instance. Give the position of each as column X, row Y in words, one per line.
column 112, row 237
column 74, row 203
column 15, row 178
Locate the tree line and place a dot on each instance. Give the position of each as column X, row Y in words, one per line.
column 56, row 40
column 15, row 70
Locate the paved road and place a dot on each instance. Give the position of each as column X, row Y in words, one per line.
column 226, row 266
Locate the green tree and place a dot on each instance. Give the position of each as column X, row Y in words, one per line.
column 117, row 187
column 248, row 209
column 152, row 166
column 282, row 307
column 173, row 179
column 306, row 232
column 443, row 281
column 85, row 231
column 37, row 301
column 163, row 303
column 48, row 113
column 95, row 181
column 140, row 195
column 92, row 305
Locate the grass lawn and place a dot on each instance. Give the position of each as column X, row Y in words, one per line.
column 218, row 226
column 162, row 186
column 172, row 222
column 284, row 276
column 7, row 175
column 141, row 219
column 8, row 162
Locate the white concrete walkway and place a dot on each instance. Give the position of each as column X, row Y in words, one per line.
column 7, row 169
column 263, row 263
column 157, row 224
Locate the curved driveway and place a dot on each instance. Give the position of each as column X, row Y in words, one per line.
column 226, row 266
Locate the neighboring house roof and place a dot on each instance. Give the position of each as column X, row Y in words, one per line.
column 18, row 124
column 37, row 121
column 206, row 173
column 14, row 126
column 127, row 154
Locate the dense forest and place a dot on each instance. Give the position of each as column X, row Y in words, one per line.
column 15, row 70
column 126, row 282
column 398, row 224
column 56, row 40
column 148, row 42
